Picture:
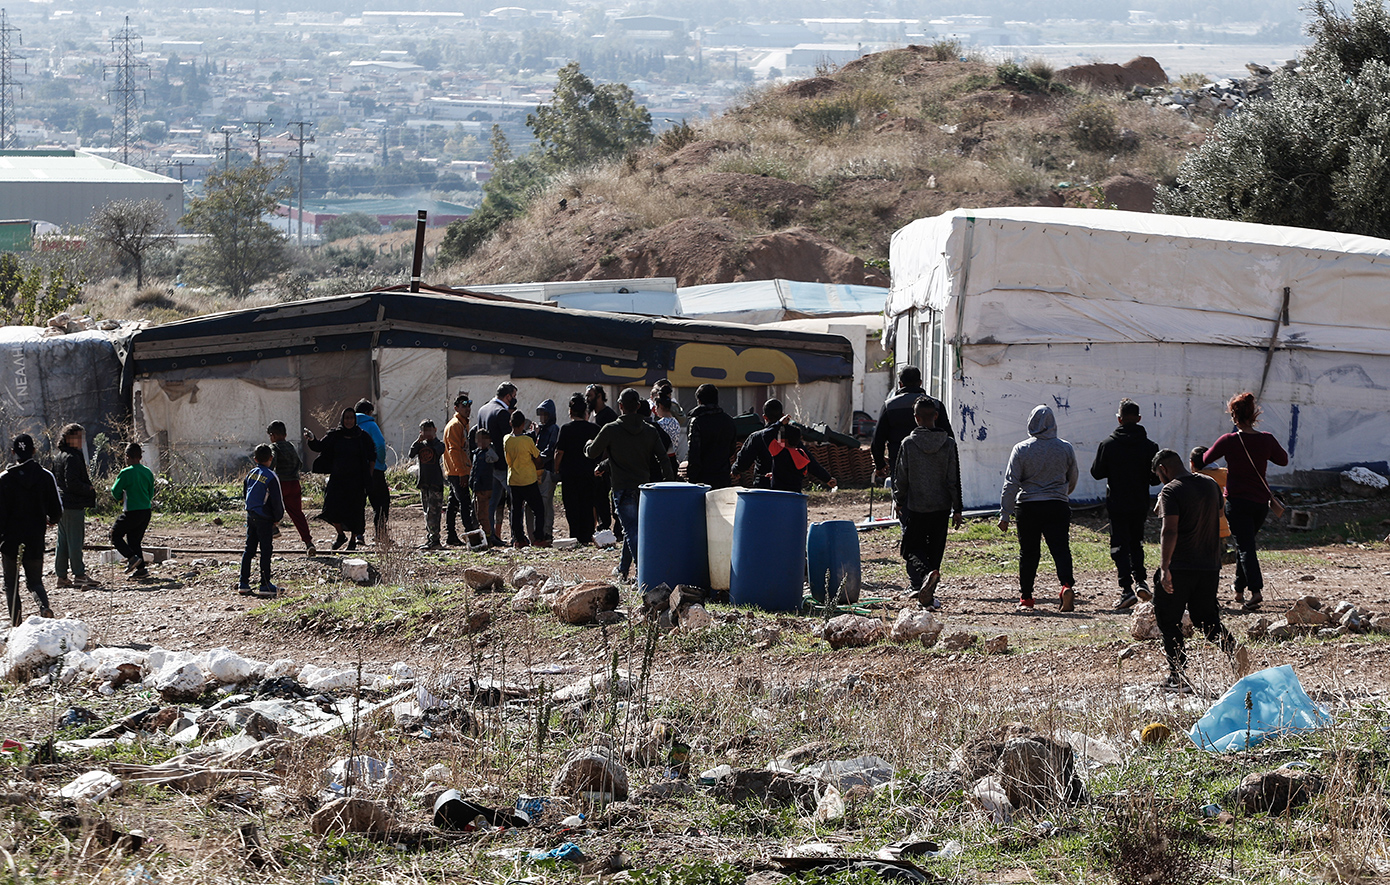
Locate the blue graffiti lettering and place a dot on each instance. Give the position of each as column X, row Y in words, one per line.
column 1293, row 428
column 967, row 414
column 981, row 433
column 1061, row 403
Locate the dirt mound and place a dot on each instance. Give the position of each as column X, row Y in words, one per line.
column 699, row 153
column 812, row 88
column 1139, row 71
column 799, row 254
column 1132, row 192
column 699, row 251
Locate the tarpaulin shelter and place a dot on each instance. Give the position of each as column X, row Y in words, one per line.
column 1007, row 308
column 205, row 388
column 48, row 382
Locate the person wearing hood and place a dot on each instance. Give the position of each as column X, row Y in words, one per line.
column 631, row 446
column 712, row 440
column 347, row 455
column 1123, row 461
column 78, row 493
column 897, row 419
column 378, row 492
column 547, row 435
column 1038, row 483
column 29, row 504
column 927, row 497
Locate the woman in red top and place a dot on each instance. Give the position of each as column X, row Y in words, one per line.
column 1247, row 452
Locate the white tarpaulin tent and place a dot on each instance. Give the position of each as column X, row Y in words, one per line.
column 1007, row 308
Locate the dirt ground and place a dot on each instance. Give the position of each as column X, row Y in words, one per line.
column 189, row 603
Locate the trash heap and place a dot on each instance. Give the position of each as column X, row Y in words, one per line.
column 1214, row 100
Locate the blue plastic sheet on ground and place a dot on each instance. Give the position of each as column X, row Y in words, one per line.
column 567, row 851
column 1279, row 706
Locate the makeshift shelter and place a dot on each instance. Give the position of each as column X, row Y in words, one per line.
column 50, row 381
column 1076, row 308
column 205, row 388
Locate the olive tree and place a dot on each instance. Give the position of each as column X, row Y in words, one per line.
column 130, row 230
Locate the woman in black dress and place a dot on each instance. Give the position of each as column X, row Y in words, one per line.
column 350, row 454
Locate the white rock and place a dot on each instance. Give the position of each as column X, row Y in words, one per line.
column 913, row 623
column 526, row 576
column 605, row 538
column 230, row 668
column 988, row 795
column 526, row 599
column 281, row 667
column 565, row 543
column 328, row 679
column 1364, row 477
column 40, row 641
column 597, row 684
column 356, row 570
column 1143, row 624
column 181, row 680
column 93, row 786
column 403, row 673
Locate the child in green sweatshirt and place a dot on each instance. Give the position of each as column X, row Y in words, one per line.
column 135, row 486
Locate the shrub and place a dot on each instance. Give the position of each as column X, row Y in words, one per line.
column 1092, row 126
column 945, row 50
column 1035, row 78
column 826, row 115
column 675, row 138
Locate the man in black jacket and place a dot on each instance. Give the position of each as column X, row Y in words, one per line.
column 75, row 486
column 29, row 504
column 754, row 452
column 496, row 419
column 712, row 440
column 602, row 414
column 896, row 420
column 1124, row 460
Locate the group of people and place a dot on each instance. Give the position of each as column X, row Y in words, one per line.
column 1039, row 478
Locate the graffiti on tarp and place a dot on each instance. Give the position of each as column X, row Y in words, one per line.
column 693, row 364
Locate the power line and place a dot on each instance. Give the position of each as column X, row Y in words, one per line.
column 127, row 95
column 9, row 36
column 258, row 124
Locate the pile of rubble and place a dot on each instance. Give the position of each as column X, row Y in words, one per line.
column 911, row 625
column 1219, row 99
column 1309, row 617
column 67, row 324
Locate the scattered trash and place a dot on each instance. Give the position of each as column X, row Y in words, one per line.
column 1277, row 705
column 93, row 786
column 1155, row 733
column 989, row 796
column 830, row 806
column 38, row 642
column 77, row 716
column 359, row 772
column 888, row 870
column 864, row 771
column 453, row 812
column 1211, row 810
column 568, row 852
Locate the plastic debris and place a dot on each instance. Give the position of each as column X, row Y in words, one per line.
column 1278, row 705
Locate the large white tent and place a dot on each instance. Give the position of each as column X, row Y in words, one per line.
column 1007, row 308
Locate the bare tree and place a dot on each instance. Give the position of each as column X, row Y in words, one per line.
column 131, row 230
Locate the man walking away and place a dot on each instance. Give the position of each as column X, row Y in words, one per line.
column 547, row 435
column 630, row 445
column 287, row 466
column 457, row 468
column 75, row 487
column 496, row 419
column 576, row 471
column 428, row 450
column 602, row 414
column 1038, row 483
column 29, row 504
column 897, row 419
column 712, row 440
column 378, row 493
column 1123, row 460
column 135, row 488
column 265, row 506
column 755, row 452
column 1189, row 573
column 927, row 495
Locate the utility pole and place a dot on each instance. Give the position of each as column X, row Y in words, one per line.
column 125, row 93
column 9, row 37
column 227, row 147
column 301, row 140
column 258, row 124
column 179, row 164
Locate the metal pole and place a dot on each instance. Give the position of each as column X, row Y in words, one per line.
column 418, row 264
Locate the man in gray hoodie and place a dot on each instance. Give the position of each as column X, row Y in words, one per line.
column 927, row 495
column 1038, row 484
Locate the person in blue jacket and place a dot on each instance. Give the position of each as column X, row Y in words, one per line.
column 378, row 493
column 265, row 506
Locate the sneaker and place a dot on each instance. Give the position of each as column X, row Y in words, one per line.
column 455, row 541
column 1176, row 684
column 1126, row 601
column 340, row 540
column 1141, row 590
column 1067, row 599
column 46, row 612
column 140, row 573
column 132, row 563
column 268, row 590
column 85, row 581
column 64, row 583
column 244, row 590
column 429, row 545
column 1025, row 604
column 927, row 595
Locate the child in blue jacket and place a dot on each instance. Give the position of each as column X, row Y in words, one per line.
column 265, row 506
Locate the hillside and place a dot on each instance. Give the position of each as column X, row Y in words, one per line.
column 810, row 179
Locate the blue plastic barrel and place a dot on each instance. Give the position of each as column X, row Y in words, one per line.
column 671, row 541
column 832, row 560
column 769, row 553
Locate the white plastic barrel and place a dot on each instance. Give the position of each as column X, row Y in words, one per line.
column 720, row 505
